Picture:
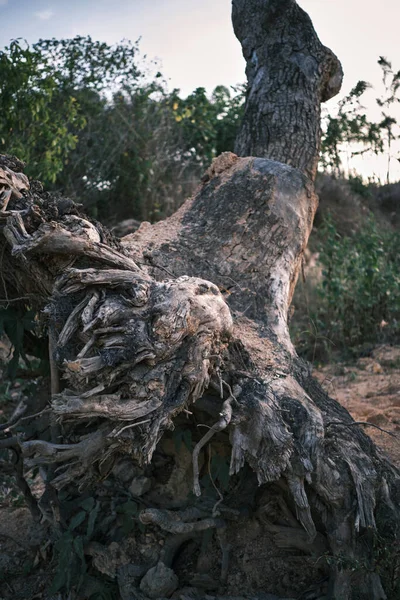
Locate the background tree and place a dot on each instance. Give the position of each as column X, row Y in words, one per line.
column 389, row 125
column 347, row 129
column 95, row 127
column 38, row 119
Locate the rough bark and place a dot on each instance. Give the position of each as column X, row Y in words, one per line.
column 289, row 74
column 182, row 325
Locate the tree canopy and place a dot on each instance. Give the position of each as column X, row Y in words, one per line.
column 88, row 121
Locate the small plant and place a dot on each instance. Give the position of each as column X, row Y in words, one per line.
column 357, row 300
column 69, row 548
column 90, row 521
column 360, row 288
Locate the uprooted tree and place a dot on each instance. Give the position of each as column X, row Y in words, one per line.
column 173, row 372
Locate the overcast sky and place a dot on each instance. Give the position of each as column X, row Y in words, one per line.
column 194, row 41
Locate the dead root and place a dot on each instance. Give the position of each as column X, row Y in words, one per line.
column 176, row 522
column 226, row 415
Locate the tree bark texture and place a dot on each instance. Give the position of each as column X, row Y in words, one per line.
column 289, row 74
column 182, row 327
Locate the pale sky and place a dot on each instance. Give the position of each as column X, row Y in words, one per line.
column 194, row 40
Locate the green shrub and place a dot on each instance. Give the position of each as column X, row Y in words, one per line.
column 356, row 298
column 360, row 287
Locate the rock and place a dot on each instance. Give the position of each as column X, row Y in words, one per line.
column 128, row 580
column 125, row 470
column 187, row 593
column 159, row 581
column 125, row 227
column 107, row 559
column 139, row 486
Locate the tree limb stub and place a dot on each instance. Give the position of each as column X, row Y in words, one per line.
column 226, row 416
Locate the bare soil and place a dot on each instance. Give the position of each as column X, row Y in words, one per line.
column 370, row 390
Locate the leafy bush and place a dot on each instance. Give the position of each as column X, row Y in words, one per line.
column 92, row 125
column 39, row 119
column 358, row 297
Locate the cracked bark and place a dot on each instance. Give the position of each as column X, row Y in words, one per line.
column 138, row 352
column 289, row 74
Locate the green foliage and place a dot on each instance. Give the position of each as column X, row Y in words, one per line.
column 388, row 124
column 209, row 125
column 143, row 150
column 15, row 324
column 358, row 186
column 182, row 435
column 28, row 348
column 50, row 90
column 347, row 128
column 10, row 494
column 216, row 480
column 128, row 159
column 220, row 471
column 69, row 548
column 83, row 64
column 360, row 289
column 129, row 511
column 89, row 520
column 88, row 123
column 37, row 114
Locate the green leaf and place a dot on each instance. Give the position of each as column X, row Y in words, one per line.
column 78, row 547
column 87, row 504
column 58, row 582
column 77, row 520
column 92, row 519
column 129, row 508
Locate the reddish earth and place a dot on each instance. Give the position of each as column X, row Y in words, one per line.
column 370, row 390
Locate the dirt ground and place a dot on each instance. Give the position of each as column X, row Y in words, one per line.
column 370, row 390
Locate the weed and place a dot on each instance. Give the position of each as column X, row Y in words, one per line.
column 361, row 284
column 357, row 300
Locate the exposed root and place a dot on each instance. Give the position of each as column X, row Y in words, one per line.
column 226, row 415
column 18, row 413
column 76, row 459
column 225, row 549
column 172, row 544
column 293, row 538
column 174, row 522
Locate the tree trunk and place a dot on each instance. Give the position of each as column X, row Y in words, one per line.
column 179, row 378
column 289, row 74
